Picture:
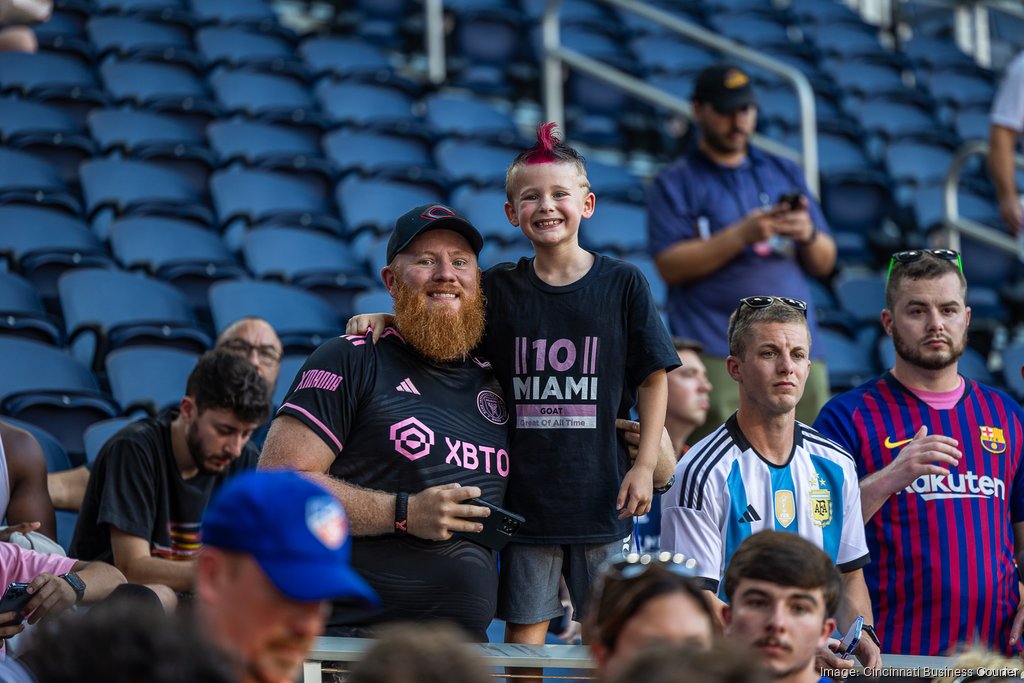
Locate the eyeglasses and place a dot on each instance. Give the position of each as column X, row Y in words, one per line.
column 912, row 255
column 766, row 301
column 267, row 354
column 636, row 564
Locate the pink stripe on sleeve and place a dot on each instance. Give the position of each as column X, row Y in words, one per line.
column 314, row 420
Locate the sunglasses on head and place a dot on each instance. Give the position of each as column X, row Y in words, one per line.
column 912, row 255
column 635, row 565
column 766, row 301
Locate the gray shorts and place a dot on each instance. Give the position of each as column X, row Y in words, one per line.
column 529, row 579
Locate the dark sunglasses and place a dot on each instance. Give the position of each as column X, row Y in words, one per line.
column 912, row 255
column 635, row 565
column 766, row 301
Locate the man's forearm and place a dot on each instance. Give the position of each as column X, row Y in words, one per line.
column 370, row 512
column 100, row 579
column 856, row 600
column 1001, row 161
column 179, row 575
column 874, row 491
column 693, row 259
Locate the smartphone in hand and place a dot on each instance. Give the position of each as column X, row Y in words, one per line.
column 14, row 600
column 849, row 642
column 790, row 200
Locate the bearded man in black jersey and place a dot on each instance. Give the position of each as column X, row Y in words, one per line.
column 406, row 431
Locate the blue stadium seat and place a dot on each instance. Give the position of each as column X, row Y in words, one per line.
column 972, row 124
column 342, row 56
column 751, row 29
column 189, row 257
column 487, row 41
column 98, row 433
column 471, row 161
column 302, row 320
column 974, row 366
column 148, row 378
column 117, row 187
column 845, row 40
column 376, row 300
column 45, row 386
column 960, row 89
column 484, row 207
column 659, row 290
column 46, row 131
column 271, row 97
column 895, row 117
column 143, row 84
column 1013, row 361
column 270, row 147
column 365, row 104
column 672, row 55
column 290, row 366
column 255, row 14
column 862, row 296
column 314, row 261
column 264, row 197
column 918, row 163
column 935, row 53
column 22, row 313
column 613, row 181
column 373, row 203
column 369, row 152
column 856, row 201
column 137, row 38
column 849, row 363
column 57, row 459
column 43, row 243
column 469, row 117
column 237, row 46
column 33, row 74
column 28, row 179
column 616, row 227
column 862, row 78
column 107, row 309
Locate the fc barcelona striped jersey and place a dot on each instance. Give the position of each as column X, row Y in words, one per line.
column 943, row 570
column 725, row 491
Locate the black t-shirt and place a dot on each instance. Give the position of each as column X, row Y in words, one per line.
column 397, row 421
column 570, row 359
column 135, row 485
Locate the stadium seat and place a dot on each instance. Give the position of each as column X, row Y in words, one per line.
column 136, row 38
column 98, row 433
column 917, row 163
column 189, row 257
column 150, row 83
column 659, row 290
column 32, row 74
column 22, row 313
column 42, row 243
column 849, row 363
column 469, row 117
column 45, row 386
column 856, row 201
column 270, row 147
column 237, row 46
column 28, row 179
column 1013, row 361
column 616, row 228
column 148, row 378
column 370, row 152
column 342, row 56
column 57, row 459
column 893, row 117
column 862, row 296
column 264, row 197
column 46, row 131
column 672, row 55
column 613, row 181
column 487, row 42
column 255, row 14
column 960, row 89
column 472, row 161
column 374, row 204
column 270, row 97
column 485, row 208
column 107, row 309
column 302, row 320
column 365, row 104
column 290, row 366
column 376, row 300
column 115, row 187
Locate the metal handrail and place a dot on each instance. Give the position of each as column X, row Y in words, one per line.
column 954, row 223
column 555, row 56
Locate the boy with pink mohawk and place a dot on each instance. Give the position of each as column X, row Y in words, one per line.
column 575, row 340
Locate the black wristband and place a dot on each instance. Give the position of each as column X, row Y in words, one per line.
column 402, row 514
column 870, row 631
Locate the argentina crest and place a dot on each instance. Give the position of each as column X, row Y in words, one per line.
column 821, row 502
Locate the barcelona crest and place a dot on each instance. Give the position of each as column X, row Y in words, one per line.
column 992, row 439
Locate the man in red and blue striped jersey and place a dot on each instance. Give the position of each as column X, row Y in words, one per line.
column 942, row 487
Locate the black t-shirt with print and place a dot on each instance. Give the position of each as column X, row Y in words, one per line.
column 397, row 421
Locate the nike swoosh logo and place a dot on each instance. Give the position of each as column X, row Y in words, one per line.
column 889, row 443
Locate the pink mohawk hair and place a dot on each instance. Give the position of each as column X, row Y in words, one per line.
column 543, row 151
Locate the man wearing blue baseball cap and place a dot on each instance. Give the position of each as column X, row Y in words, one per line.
column 276, row 551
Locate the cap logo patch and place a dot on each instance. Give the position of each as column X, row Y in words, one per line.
column 734, row 78
column 492, row 407
column 436, row 212
column 326, row 520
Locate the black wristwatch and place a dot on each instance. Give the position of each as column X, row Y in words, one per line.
column 76, row 583
column 870, row 631
column 664, row 489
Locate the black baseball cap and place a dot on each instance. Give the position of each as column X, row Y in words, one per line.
column 726, row 87
column 412, row 224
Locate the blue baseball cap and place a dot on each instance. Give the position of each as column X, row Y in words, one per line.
column 295, row 530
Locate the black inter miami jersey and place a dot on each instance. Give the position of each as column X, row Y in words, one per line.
column 397, row 421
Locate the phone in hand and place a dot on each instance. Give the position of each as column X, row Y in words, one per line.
column 498, row 529
column 849, row 642
column 790, row 200
column 14, row 600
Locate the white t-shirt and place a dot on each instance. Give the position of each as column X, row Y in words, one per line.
column 1008, row 105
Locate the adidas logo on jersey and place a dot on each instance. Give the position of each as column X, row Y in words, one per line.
column 408, row 387
column 750, row 515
